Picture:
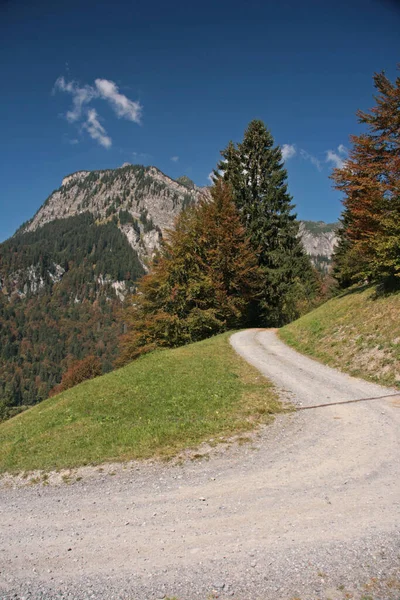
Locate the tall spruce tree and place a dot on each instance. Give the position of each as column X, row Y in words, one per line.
column 259, row 181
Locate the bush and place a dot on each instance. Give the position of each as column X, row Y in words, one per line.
column 79, row 371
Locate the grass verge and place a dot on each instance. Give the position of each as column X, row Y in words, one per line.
column 357, row 332
column 156, row 406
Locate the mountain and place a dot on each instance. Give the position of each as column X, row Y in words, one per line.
column 319, row 240
column 65, row 273
column 142, row 201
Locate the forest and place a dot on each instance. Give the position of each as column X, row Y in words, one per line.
column 57, row 304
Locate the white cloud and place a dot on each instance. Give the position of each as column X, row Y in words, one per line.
column 174, row 158
column 335, row 159
column 288, row 151
column 211, row 177
column 313, row 160
column 80, row 97
column 123, row 107
column 96, row 129
column 338, row 158
column 83, row 95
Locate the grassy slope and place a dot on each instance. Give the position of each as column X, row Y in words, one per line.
column 357, row 332
column 157, row 405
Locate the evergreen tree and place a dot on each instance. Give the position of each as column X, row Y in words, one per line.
column 201, row 283
column 259, row 182
column 369, row 246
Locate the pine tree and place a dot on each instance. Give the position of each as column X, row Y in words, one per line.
column 369, row 246
column 259, row 182
column 201, row 283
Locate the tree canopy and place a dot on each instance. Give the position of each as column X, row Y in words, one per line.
column 255, row 171
column 202, row 282
column 369, row 237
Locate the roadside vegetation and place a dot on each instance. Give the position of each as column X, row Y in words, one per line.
column 158, row 405
column 357, row 332
column 369, row 248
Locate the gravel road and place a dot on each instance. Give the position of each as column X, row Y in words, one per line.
column 308, row 509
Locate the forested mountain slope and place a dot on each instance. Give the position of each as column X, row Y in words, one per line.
column 65, row 273
column 143, row 200
column 59, row 295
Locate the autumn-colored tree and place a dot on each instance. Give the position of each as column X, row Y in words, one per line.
column 79, row 371
column 369, row 239
column 202, row 282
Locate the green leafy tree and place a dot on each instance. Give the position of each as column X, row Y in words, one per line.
column 202, row 282
column 259, row 182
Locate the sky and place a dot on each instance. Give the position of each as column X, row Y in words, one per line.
column 92, row 85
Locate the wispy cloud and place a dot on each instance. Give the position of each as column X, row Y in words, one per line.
column 288, row 151
column 80, row 97
column 175, row 159
column 96, row 129
column 313, row 159
column 122, row 106
column 103, row 89
column 337, row 159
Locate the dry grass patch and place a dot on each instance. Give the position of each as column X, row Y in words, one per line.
column 357, row 332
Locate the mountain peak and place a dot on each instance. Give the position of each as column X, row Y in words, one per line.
column 142, row 201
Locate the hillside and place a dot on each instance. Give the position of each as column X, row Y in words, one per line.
column 59, row 297
column 357, row 332
column 65, row 274
column 160, row 404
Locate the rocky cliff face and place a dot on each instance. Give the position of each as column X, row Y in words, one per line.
column 141, row 200
column 319, row 240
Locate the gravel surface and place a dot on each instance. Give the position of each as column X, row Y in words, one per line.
column 308, row 509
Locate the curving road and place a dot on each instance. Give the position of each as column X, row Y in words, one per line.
column 309, row 509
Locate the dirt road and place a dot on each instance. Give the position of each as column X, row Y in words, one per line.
column 309, row 509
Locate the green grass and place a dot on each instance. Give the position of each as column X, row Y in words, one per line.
column 357, row 332
column 156, row 406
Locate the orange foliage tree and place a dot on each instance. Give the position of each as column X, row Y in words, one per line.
column 369, row 240
column 79, row 371
column 203, row 282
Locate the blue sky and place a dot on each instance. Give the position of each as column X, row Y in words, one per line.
column 170, row 83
